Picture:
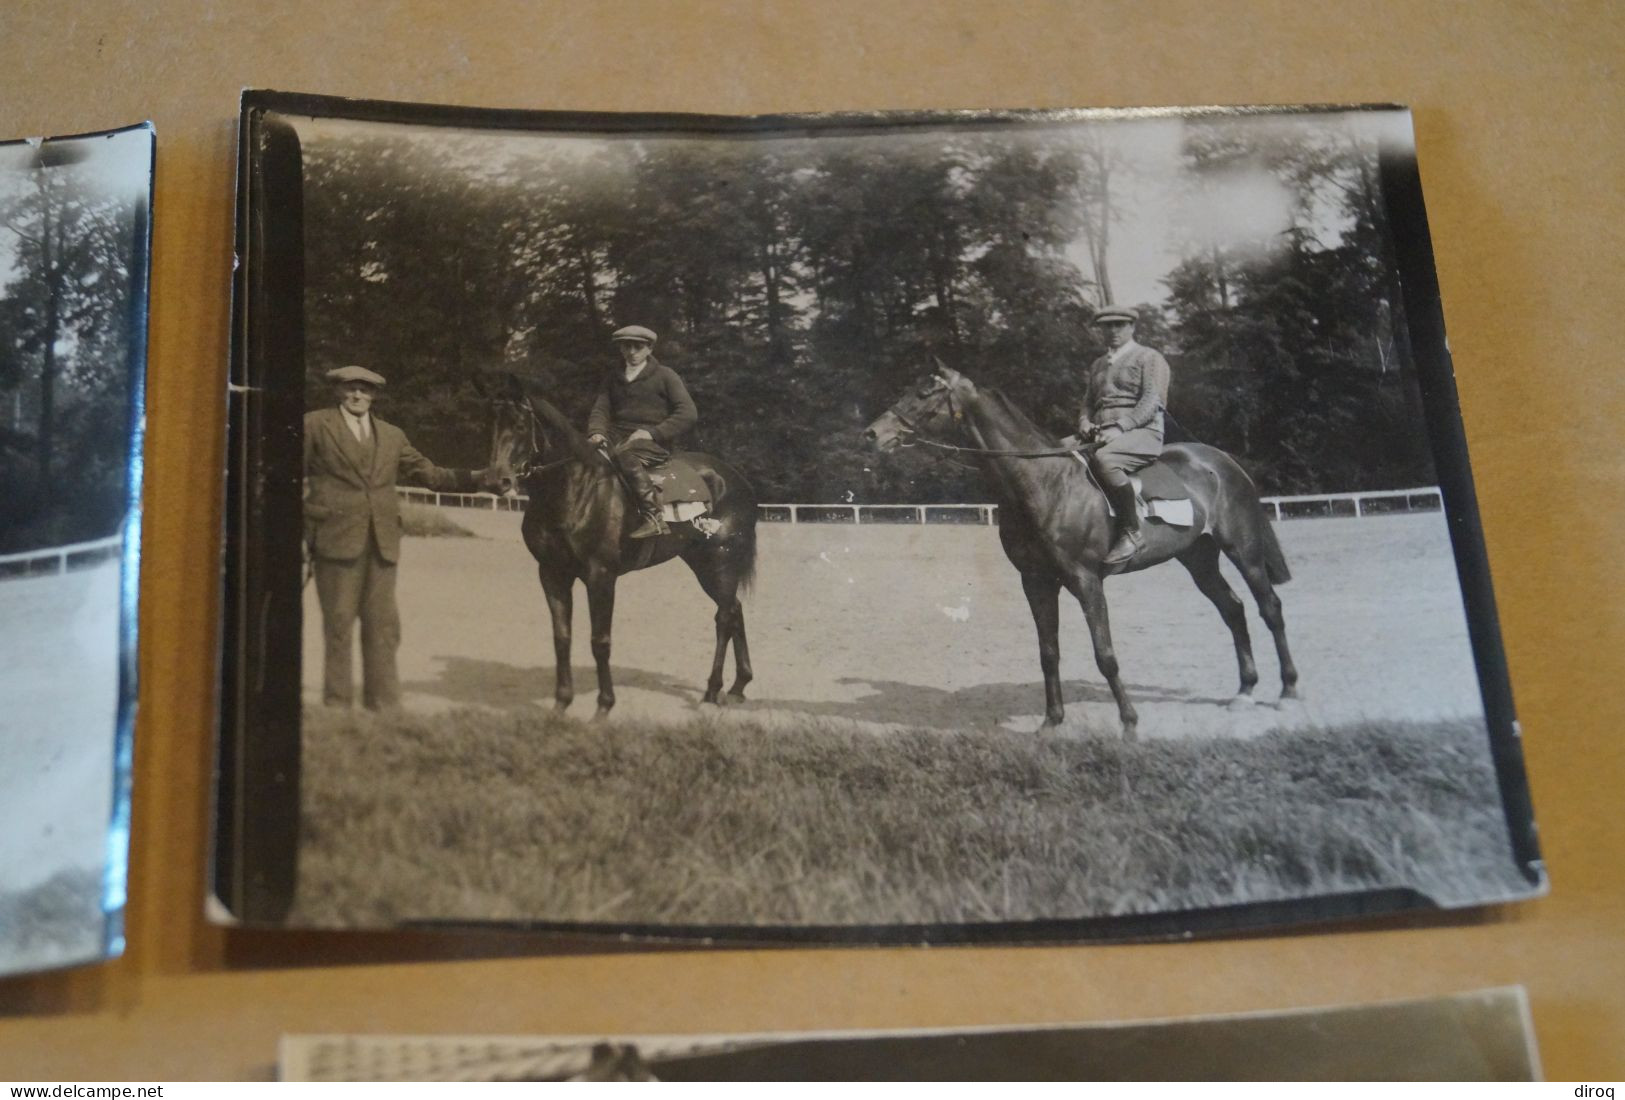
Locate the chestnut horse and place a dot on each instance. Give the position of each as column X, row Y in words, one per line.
column 1056, row 528
column 576, row 524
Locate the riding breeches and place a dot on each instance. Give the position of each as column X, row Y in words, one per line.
column 1123, row 453
column 640, row 454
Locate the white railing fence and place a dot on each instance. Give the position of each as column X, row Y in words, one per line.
column 1308, row 506
column 1385, row 503
column 485, row 501
column 974, row 514
column 60, row 559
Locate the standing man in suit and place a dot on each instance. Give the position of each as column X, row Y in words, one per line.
column 1127, row 392
column 353, row 528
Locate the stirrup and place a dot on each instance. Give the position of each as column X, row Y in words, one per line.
column 1127, row 545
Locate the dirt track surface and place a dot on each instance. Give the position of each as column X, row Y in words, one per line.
column 927, row 626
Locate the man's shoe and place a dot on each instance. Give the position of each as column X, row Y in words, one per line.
column 651, row 527
column 1127, row 545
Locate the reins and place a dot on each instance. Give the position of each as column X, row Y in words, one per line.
column 912, row 436
column 1058, row 453
column 531, row 468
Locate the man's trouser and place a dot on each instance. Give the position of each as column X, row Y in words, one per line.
column 1122, row 454
column 363, row 588
column 634, row 459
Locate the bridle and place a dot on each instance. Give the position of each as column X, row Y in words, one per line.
column 912, row 435
column 531, row 467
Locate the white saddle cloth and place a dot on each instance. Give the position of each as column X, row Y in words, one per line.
column 1177, row 513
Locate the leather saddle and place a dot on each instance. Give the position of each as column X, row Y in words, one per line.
column 684, row 492
column 1158, row 492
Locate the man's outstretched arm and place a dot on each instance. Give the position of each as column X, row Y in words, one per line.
column 415, row 469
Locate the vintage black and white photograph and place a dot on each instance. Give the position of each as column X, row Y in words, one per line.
column 1479, row 1036
column 73, row 323
column 1027, row 524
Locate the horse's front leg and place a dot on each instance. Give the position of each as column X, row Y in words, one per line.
column 601, row 606
column 1091, row 594
column 561, row 607
column 1043, row 596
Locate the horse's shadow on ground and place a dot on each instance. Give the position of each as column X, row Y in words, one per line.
column 468, row 682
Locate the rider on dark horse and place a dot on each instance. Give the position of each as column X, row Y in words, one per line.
column 642, row 410
column 1127, row 390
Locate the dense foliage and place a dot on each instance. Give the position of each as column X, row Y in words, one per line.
column 801, row 285
column 67, row 247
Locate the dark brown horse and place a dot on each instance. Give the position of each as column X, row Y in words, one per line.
column 576, row 523
column 1056, row 529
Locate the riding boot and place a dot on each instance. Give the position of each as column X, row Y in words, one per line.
column 648, row 504
column 1128, row 540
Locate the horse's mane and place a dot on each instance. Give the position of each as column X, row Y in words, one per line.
column 557, row 424
column 1021, row 419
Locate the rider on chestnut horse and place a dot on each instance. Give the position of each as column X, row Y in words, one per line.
column 641, row 411
column 1127, row 390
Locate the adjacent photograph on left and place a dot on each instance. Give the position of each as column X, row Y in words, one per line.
column 75, row 220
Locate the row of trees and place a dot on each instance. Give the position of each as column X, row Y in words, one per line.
column 68, row 245
column 1293, row 352
column 801, row 285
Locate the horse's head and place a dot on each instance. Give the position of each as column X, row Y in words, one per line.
column 515, row 433
column 931, row 408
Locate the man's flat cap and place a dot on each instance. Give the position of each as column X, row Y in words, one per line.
column 355, row 374
column 633, row 332
column 1114, row 313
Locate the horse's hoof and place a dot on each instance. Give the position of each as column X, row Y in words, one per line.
column 712, row 697
column 561, row 705
column 1051, row 722
column 1242, row 702
column 736, row 697
column 600, row 714
column 1291, row 695
column 1131, row 734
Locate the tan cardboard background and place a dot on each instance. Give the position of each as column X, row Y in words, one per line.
column 1519, row 116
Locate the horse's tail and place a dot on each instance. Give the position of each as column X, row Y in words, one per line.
column 1274, row 560
column 1251, row 517
column 734, row 494
column 747, row 556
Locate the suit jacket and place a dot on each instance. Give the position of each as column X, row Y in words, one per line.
column 1132, row 391
column 350, row 485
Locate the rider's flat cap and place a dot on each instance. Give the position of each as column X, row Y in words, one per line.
column 633, row 332
column 355, row 374
column 1114, row 313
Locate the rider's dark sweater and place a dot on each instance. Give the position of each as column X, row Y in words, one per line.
column 656, row 401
